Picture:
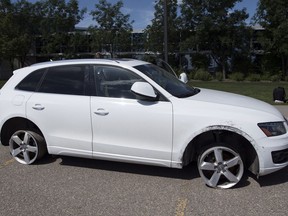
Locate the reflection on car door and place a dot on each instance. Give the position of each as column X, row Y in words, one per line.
column 127, row 129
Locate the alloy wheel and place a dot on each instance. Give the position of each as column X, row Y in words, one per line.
column 24, row 147
column 220, row 167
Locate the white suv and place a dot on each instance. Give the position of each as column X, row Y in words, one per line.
column 133, row 111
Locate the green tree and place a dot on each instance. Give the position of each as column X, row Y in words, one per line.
column 23, row 23
column 214, row 26
column 113, row 30
column 273, row 16
column 78, row 42
column 57, row 21
column 6, row 15
column 17, row 30
column 155, row 31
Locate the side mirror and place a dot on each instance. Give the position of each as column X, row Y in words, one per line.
column 183, row 77
column 144, row 90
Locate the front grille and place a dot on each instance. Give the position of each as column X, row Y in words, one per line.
column 280, row 156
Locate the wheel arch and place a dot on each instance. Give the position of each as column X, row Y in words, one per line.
column 14, row 124
column 225, row 134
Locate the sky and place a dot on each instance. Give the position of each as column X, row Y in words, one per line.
column 142, row 11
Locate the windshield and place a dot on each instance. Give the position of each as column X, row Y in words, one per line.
column 167, row 81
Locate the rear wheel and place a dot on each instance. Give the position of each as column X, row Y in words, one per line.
column 27, row 146
column 221, row 166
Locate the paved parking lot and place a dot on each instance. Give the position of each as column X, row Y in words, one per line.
column 73, row 186
column 283, row 109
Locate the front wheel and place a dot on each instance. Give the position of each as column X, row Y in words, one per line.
column 220, row 166
column 27, row 146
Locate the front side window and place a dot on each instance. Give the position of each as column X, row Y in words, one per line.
column 114, row 82
column 68, row 79
column 167, row 81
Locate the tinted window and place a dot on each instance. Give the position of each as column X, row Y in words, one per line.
column 65, row 80
column 114, row 82
column 31, row 82
column 167, row 81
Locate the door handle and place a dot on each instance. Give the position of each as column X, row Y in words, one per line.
column 38, row 107
column 101, row 112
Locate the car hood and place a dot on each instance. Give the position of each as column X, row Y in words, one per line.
column 240, row 101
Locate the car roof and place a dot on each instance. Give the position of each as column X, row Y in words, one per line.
column 123, row 62
column 126, row 63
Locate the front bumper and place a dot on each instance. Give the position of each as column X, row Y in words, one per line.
column 272, row 154
column 279, row 157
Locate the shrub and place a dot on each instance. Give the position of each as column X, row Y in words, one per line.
column 191, row 75
column 254, row 77
column 237, row 76
column 219, row 76
column 275, row 78
column 266, row 76
column 202, row 75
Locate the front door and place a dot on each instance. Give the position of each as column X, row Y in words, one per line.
column 127, row 129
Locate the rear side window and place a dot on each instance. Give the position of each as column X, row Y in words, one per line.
column 68, row 79
column 31, row 82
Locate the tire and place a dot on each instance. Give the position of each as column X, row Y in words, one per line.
column 220, row 166
column 27, row 146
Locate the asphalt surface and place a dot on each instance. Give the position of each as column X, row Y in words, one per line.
column 283, row 109
column 74, row 186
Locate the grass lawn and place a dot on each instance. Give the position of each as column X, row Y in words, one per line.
column 259, row 90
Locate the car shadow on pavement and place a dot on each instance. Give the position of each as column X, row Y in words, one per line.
column 188, row 172
column 47, row 159
column 276, row 178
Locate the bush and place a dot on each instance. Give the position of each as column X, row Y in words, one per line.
column 266, row 76
column 219, row 76
column 275, row 78
column 202, row 75
column 254, row 77
column 191, row 74
column 237, row 76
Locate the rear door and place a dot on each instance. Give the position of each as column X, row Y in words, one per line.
column 61, row 109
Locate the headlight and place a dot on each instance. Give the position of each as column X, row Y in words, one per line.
column 272, row 128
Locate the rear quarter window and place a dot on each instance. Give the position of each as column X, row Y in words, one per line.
column 31, row 81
